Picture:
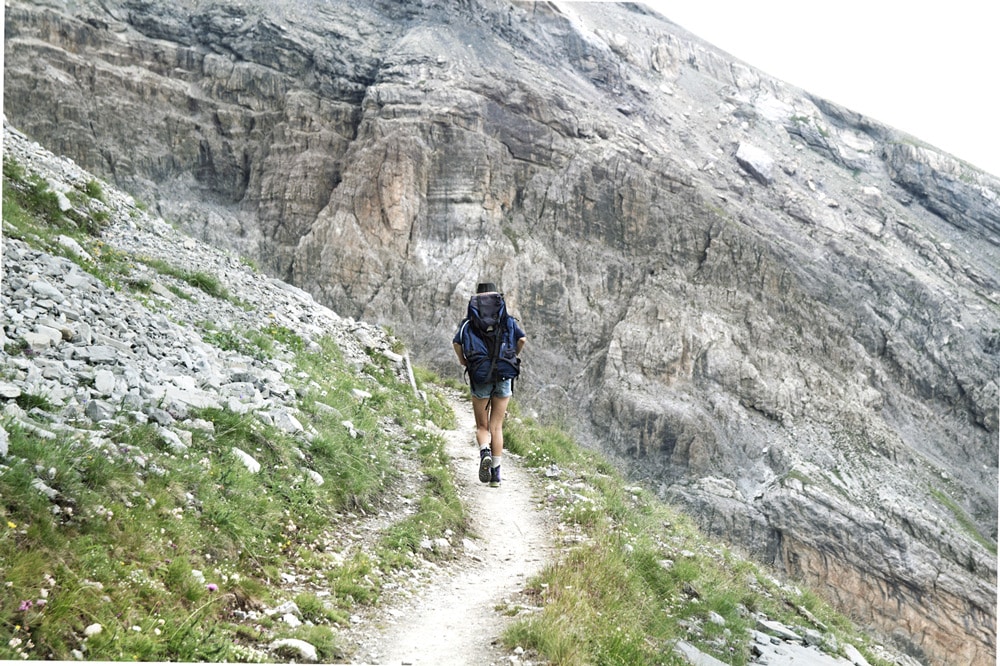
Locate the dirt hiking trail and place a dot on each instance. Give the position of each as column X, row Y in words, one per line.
column 454, row 613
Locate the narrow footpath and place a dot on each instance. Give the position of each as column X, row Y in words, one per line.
column 454, row 615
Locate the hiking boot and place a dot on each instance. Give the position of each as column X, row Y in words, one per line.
column 485, row 465
column 495, row 477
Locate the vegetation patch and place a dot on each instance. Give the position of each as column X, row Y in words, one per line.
column 32, row 200
column 206, row 282
column 964, row 520
column 638, row 576
column 117, row 545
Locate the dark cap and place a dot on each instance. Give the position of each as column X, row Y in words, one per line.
column 484, row 287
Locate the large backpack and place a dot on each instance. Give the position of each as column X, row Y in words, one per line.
column 488, row 343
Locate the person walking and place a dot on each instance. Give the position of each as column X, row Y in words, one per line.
column 488, row 344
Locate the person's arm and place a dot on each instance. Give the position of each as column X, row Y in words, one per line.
column 520, row 336
column 458, row 352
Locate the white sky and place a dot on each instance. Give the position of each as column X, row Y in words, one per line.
column 930, row 69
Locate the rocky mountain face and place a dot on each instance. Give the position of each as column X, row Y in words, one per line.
column 782, row 314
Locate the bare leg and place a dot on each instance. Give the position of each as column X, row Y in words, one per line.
column 481, row 410
column 497, row 411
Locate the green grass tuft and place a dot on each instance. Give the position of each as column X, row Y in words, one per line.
column 963, row 519
column 206, row 282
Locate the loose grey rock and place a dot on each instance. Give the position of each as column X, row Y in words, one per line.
column 854, row 656
column 248, row 461
column 295, row 649
column 756, row 162
column 38, row 341
column 73, row 246
column 100, row 410
column 777, row 629
column 696, row 657
column 43, row 488
column 286, row 422
column 98, row 354
column 104, row 382
column 173, row 440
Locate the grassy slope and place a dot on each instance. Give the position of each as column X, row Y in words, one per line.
column 641, row 576
column 175, row 556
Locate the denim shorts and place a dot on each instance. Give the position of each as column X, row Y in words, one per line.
column 501, row 389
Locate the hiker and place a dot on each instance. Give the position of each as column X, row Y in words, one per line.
column 488, row 343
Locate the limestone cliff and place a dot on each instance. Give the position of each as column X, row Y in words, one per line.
column 782, row 314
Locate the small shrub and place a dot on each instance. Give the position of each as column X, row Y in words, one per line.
column 19, row 347
column 352, row 582
column 38, row 198
column 199, row 279
column 207, row 283
column 29, row 401
column 140, row 284
column 313, row 609
column 285, row 336
column 94, row 190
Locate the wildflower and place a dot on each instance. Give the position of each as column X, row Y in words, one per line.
column 25, row 605
column 11, row 525
column 212, row 587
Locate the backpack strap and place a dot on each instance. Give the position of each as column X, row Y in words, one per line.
column 494, row 353
column 511, row 341
column 463, row 331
